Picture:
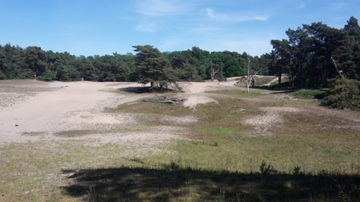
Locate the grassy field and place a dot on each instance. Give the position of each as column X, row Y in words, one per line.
column 312, row 154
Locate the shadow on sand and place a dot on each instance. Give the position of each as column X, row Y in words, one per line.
column 144, row 89
column 174, row 183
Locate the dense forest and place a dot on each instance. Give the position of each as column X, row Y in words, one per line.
column 313, row 56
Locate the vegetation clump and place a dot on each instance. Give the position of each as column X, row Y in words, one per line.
column 343, row 93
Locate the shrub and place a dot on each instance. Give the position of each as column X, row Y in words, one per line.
column 267, row 169
column 47, row 76
column 343, row 93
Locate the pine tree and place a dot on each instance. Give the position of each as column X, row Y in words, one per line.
column 152, row 67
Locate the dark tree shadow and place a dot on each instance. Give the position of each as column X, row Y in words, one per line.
column 175, row 183
column 142, row 89
column 145, row 89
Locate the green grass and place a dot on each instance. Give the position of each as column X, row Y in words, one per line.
column 241, row 93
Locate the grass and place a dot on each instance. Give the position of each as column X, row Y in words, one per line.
column 220, row 125
column 253, row 93
column 172, row 182
column 312, row 155
column 309, row 94
column 75, row 133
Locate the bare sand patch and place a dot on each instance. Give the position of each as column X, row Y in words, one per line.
column 59, row 111
column 194, row 100
column 79, row 106
column 56, row 106
column 196, row 91
column 272, row 117
column 179, row 120
column 202, row 87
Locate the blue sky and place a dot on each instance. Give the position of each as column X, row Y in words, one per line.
column 95, row 27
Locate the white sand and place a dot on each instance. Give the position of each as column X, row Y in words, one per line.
column 70, row 106
column 195, row 91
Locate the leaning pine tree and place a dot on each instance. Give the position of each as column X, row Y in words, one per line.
column 152, row 68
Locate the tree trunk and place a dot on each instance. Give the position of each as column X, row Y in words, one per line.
column 336, row 68
column 248, row 76
column 300, row 84
column 279, row 77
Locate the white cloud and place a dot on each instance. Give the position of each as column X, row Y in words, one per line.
column 235, row 18
column 158, row 8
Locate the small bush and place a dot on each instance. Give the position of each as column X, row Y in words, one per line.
column 297, row 170
column 267, row 169
column 48, row 76
column 343, row 93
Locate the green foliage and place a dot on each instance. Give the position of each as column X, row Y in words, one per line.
column 152, row 67
column 188, row 65
column 25, row 74
column 2, row 76
column 316, row 53
column 48, row 76
column 343, row 93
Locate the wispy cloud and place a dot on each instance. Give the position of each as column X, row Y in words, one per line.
column 235, row 18
column 158, row 8
column 150, row 27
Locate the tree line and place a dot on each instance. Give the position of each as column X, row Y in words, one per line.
column 319, row 56
column 315, row 53
column 188, row 65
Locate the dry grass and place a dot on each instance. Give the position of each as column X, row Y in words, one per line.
column 217, row 159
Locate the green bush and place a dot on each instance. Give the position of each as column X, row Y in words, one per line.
column 47, row 76
column 2, row 76
column 343, row 93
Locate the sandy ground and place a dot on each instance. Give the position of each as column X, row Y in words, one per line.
column 32, row 110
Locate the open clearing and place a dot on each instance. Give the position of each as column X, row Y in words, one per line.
column 87, row 141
